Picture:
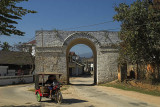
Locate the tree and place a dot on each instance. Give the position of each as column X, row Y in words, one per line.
column 140, row 32
column 9, row 13
column 5, row 46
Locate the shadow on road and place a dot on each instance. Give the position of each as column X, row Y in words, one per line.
column 82, row 84
column 138, row 104
column 72, row 101
column 67, row 101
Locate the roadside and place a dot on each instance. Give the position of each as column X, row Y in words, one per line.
column 112, row 97
column 133, row 86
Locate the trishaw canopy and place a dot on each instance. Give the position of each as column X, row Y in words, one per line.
column 37, row 75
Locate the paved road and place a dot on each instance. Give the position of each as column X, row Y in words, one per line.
column 80, row 94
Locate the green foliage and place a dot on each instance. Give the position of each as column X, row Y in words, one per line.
column 140, row 32
column 9, row 13
column 5, row 46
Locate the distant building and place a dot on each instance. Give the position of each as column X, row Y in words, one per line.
column 30, row 47
column 75, row 66
column 72, row 56
column 15, row 63
column 89, row 64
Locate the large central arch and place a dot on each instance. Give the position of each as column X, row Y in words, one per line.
column 89, row 44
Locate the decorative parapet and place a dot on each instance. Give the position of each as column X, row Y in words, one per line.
column 50, row 38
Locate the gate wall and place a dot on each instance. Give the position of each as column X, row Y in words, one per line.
column 52, row 46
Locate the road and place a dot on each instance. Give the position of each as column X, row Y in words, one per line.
column 80, row 94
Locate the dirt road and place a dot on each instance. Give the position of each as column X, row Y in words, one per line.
column 80, row 94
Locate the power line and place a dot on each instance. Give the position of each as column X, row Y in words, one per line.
column 83, row 27
column 112, row 29
column 88, row 25
column 31, row 39
column 70, row 29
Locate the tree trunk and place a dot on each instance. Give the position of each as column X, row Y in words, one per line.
column 158, row 76
column 137, row 70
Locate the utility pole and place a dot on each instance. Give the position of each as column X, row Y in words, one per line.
column 42, row 52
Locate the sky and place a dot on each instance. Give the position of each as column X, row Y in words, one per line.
column 87, row 52
column 65, row 14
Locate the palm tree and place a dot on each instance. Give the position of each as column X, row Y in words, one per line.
column 5, row 46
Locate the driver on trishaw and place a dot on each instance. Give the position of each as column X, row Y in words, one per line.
column 52, row 82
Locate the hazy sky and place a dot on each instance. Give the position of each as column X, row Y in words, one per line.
column 64, row 14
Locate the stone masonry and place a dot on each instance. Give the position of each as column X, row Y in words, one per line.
column 52, row 47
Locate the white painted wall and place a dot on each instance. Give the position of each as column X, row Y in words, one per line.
column 33, row 50
column 10, row 80
column 3, row 70
column 11, row 72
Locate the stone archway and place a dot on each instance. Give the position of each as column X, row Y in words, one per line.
column 53, row 47
column 89, row 44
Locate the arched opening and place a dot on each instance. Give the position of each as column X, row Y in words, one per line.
column 91, row 45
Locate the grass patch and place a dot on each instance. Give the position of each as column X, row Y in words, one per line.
column 128, row 87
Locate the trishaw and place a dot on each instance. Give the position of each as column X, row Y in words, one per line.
column 42, row 88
